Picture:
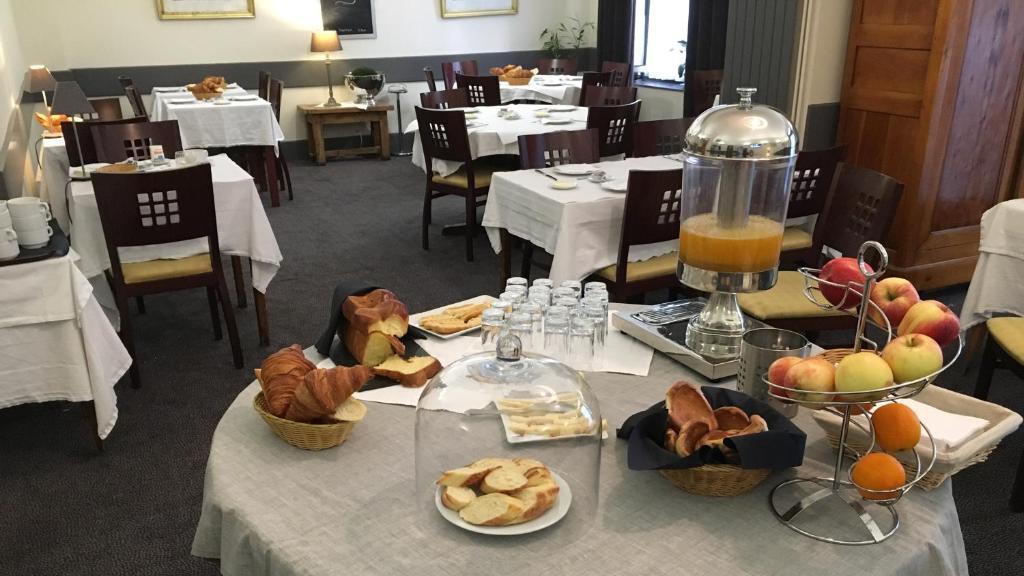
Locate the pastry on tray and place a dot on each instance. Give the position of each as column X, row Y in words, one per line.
column 455, row 319
column 499, row 491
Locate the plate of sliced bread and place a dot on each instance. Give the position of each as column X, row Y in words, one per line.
column 454, row 319
column 502, row 496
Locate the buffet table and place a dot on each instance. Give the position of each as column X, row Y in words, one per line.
column 996, row 288
column 270, row 508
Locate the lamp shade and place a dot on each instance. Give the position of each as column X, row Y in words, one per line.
column 40, row 79
column 326, row 41
column 70, row 100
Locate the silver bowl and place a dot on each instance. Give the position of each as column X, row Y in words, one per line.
column 366, row 87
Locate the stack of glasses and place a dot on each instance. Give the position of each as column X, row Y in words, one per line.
column 568, row 323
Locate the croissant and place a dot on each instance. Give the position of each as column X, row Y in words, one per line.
column 323, row 390
column 496, row 71
column 280, row 374
column 519, row 73
column 508, row 67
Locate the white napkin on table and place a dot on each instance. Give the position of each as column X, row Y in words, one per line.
column 949, row 430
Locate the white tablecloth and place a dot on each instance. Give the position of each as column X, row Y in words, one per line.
column 581, row 228
column 53, row 157
column 242, row 226
column 550, row 89
column 55, row 342
column 998, row 283
column 498, row 135
column 204, row 124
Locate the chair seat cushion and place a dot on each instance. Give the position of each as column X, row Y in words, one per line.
column 1008, row 332
column 795, row 239
column 481, row 176
column 152, row 270
column 785, row 300
column 664, row 265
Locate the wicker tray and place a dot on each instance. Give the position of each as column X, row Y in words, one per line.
column 301, row 434
column 716, row 479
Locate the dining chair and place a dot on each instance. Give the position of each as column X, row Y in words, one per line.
column 152, row 208
column 449, row 71
column 619, row 71
column 125, row 81
column 107, row 108
column 1004, row 350
column 275, row 90
column 861, row 207
column 706, row 85
column 133, row 95
column 86, row 140
column 263, row 88
column 614, row 126
column 651, row 215
column 431, row 82
column 812, row 184
column 558, row 66
column 591, row 79
column 609, row 95
column 480, row 90
column 444, row 136
column 119, row 142
column 442, row 99
column 660, row 137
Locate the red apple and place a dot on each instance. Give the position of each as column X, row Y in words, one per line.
column 894, row 296
column 912, row 357
column 777, row 373
column 811, row 375
column 861, row 372
column 931, row 318
column 846, row 272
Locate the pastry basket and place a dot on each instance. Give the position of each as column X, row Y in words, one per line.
column 515, row 81
column 302, row 434
column 716, row 479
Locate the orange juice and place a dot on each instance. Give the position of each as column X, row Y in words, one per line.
column 704, row 243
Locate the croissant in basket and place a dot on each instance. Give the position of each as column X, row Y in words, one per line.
column 323, row 391
column 280, row 374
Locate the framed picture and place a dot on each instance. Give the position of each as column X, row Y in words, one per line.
column 464, row 8
column 204, row 9
column 351, row 18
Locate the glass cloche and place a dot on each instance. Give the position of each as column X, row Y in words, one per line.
column 508, row 443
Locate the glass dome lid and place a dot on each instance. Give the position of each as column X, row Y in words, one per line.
column 511, row 423
column 742, row 131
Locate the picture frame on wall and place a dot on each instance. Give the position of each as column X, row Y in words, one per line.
column 352, row 19
column 466, row 8
column 205, row 9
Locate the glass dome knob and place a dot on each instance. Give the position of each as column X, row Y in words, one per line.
column 509, row 347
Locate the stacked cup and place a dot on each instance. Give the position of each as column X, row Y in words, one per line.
column 31, row 217
column 8, row 237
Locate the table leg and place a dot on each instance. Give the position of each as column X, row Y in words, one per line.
column 506, row 255
column 310, row 138
column 89, row 412
column 975, row 340
column 318, row 142
column 384, row 135
column 260, row 301
column 270, row 159
column 236, row 269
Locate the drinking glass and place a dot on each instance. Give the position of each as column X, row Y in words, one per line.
column 541, row 295
column 576, row 286
column 563, row 292
column 516, row 281
column 521, row 324
column 504, row 305
column 519, row 291
column 595, row 285
column 492, row 321
column 545, row 282
column 537, row 320
column 556, row 332
column 570, row 304
column 180, row 158
column 593, row 308
column 581, row 343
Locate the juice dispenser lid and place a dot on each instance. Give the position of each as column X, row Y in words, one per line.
column 742, row 131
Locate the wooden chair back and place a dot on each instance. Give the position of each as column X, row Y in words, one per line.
column 263, row 87
column 591, row 79
column 444, row 136
column 651, row 213
column 609, row 95
column 480, row 90
column 861, row 207
column 558, row 66
column 86, row 138
column 619, row 71
column 107, row 108
column 442, row 99
column 812, row 180
column 554, row 148
column 429, row 75
column 135, row 100
column 614, row 126
column 274, row 92
column 449, row 70
column 660, row 137
column 125, row 81
column 118, row 142
column 706, row 85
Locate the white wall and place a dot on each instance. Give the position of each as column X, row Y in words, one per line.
column 12, row 74
column 821, row 56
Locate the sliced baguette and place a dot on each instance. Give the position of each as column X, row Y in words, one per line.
column 536, row 501
column 526, row 464
column 465, row 476
column 457, row 497
column 409, row 372
column 492, row 510
column 539, row 477
column 495, row 463
column 503, row 480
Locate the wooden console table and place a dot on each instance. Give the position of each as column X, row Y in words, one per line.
column 319, row 116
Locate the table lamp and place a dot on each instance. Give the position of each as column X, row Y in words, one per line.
column 326, row 42
column 69, row 99
column 40, row 81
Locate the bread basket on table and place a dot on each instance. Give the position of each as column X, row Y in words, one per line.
column 310, row 436
column 745, row 462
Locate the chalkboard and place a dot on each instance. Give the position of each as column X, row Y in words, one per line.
column 351, row 18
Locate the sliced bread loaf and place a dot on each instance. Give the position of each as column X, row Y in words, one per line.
column 502, row 480
column 409, row 372
column 457, row 497
column 492, row 510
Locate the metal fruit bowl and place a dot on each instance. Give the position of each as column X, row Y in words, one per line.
column 367, row 86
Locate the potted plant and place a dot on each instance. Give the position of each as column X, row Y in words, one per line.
column 366, row 83
column 565, row 37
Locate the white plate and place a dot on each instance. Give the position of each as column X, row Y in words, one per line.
column 554, row 514
column 244, row 98
column 557, row 120
column 563, row 108
column 414, row 319
column 221, row 103
column 514, row 438
column 563, row 184
column 475, row 123
column 183, row 101
column 614, row 185
column 167, row 89
column 574, row 169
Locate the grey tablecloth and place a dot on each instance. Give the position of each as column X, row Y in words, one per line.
column 269, row 508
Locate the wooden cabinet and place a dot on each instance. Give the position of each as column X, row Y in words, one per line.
column 933, row 94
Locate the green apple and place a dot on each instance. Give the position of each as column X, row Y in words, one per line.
column 861, row 372
column 912, row 357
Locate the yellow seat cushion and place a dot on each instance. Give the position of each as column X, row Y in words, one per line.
column 151, row 270
column 796, row 238
column 664, row 265
column 785, row 300
column 1009, row 333
column 482, row 176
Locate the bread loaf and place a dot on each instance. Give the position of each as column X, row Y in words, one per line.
column 371, row 348
column 322, row 391
column 280, row 374
column 409, row 372
column 377, row 311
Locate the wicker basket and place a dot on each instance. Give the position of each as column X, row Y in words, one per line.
column 716, row 479
column 207, row 95
column 515, row 81
column 301, row 434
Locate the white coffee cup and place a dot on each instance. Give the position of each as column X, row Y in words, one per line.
column 25, row 206
column 35, row 237
column 5, row 215
column 8, row 243
column 30, row 222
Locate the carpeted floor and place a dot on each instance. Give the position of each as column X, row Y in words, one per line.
column 66, row 509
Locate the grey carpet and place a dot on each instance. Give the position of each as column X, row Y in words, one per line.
column 66, row 509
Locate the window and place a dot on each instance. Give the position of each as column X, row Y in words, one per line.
column 659, row 42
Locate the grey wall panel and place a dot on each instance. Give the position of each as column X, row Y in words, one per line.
column 759, row 50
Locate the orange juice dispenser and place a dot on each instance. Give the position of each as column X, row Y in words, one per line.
column 737, row 170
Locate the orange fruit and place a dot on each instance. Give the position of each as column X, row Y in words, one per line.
column 896, row 427
column 878, row 471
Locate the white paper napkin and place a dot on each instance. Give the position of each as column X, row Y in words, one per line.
column 949, row 430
